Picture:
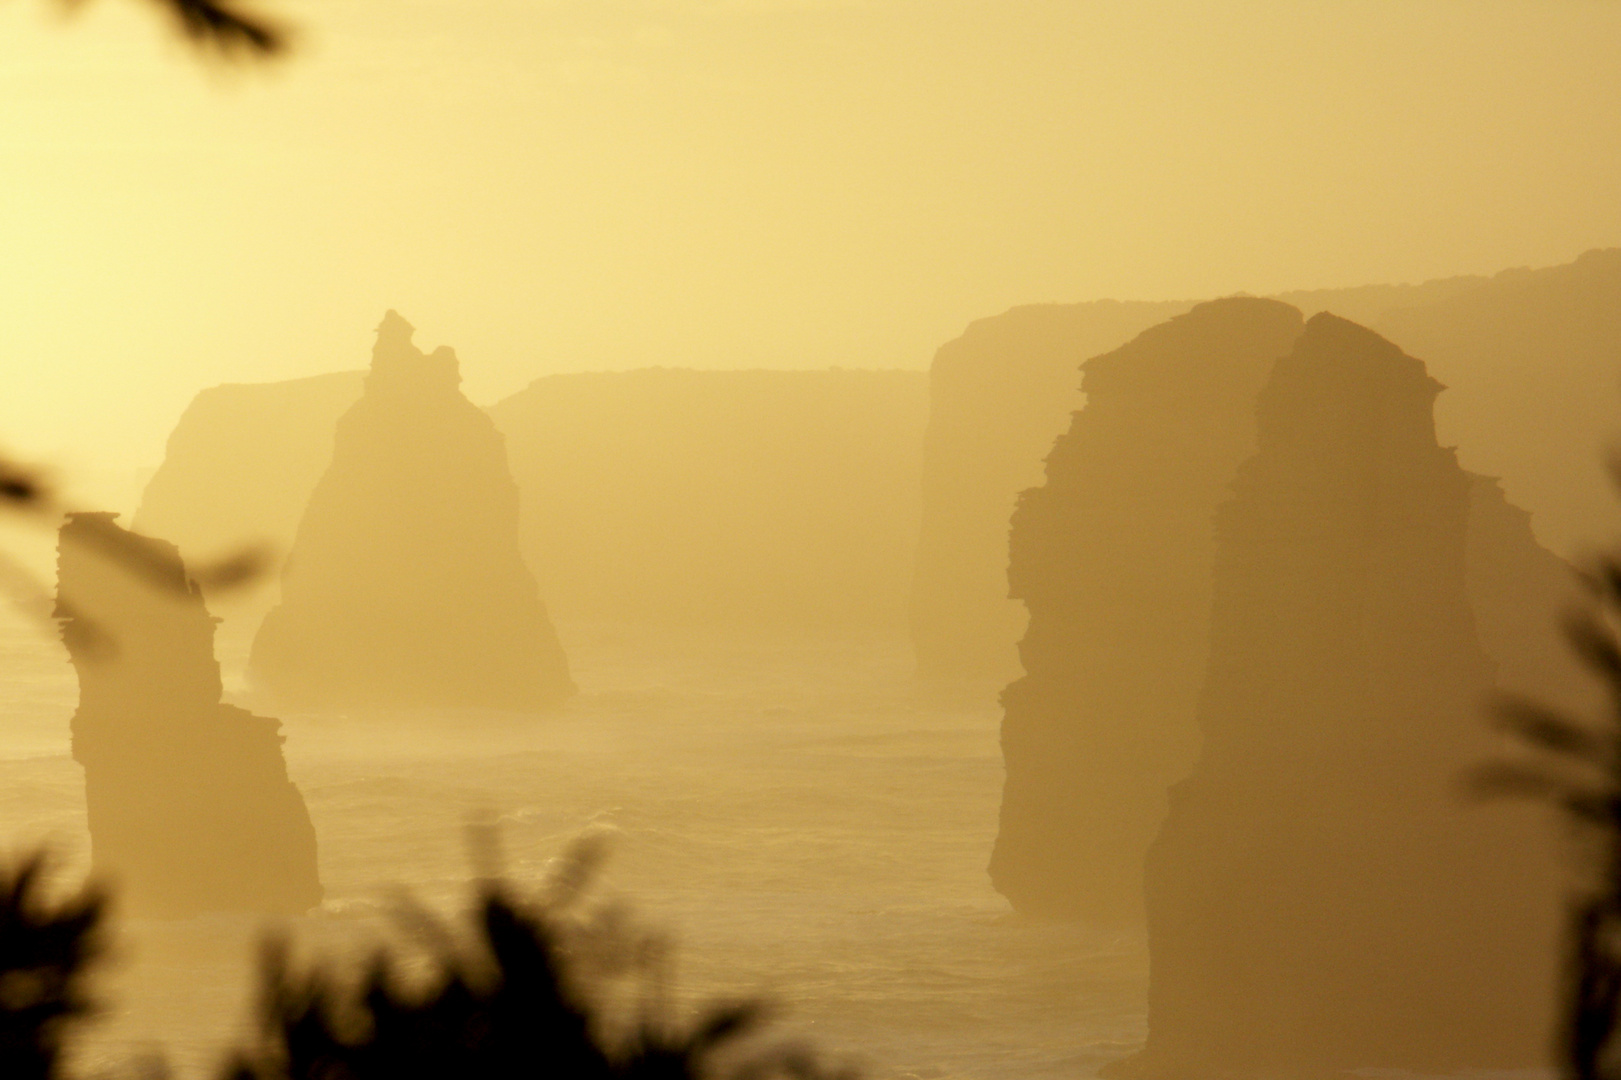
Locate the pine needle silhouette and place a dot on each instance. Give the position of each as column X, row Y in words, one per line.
column 46, row 949
column 1576, row 766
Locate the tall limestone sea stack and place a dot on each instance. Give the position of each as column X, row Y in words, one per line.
column 1321, row 898
column 405, row 586
column 189, row 803
column 1113, row 556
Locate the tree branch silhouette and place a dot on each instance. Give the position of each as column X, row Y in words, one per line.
column 1575, row 765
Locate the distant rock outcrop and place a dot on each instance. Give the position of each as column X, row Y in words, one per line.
column 1320, row 898
column 752, row 499
column 238, row 470
column 189, row 802
column 405, row 586
column 1113, row 556
column 242, row 461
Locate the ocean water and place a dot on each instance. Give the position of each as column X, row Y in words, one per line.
column 797, row 817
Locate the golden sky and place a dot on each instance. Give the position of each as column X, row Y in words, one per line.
column 554, row 185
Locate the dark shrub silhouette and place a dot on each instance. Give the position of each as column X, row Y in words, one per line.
column 1576, row 766
column 46, row 948
column 531, row 991
column 531, row 994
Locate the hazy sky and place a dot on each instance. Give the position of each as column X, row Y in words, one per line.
column 562, row 184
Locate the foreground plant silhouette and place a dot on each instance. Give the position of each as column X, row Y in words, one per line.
column 525, row 994
column 1577, row 768
column 46, row 949
column 515, row 1004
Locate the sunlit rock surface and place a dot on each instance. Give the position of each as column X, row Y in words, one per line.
column 1321, row 898
column 1112, row 556
column 405, row 585
column 190, row 807
column 781, row 499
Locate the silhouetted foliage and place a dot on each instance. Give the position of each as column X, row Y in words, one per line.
column 222, row 27
column 46, row 948
column 531, row 995
column 27, row 493
column 1577, row 767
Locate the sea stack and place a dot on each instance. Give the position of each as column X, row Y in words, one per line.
column 1321, row 897
column 1112, row 556
column 190, row 807
column 998, row 396
column 405, row 586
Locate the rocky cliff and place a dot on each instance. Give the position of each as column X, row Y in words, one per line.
column 1112, row 556
column 189, row 802
column 1320, row 898
column 1004, row 391
column 998, row 396
column 237, row 471
column 783, row 499
column 405, row 585
column 1533, row 362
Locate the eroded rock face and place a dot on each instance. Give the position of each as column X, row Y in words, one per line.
column 1320, row 898
column 1112, row 556
column 405, row 586
column 189, row 802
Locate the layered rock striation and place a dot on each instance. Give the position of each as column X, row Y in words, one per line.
column 1320, row 898
column 1112, row 556
column 190, row 806
column 405, row 585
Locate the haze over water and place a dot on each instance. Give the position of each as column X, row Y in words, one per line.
column 741, row 496
column 795, row 813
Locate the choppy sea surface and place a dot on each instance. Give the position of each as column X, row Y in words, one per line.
column 798, row 816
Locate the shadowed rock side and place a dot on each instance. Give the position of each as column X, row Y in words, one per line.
column 1112, row 556
column 745, row 498
column 1533, row 360
column 189, row 803
column 405, row 586
column 1320, row 898
column 998, row 396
